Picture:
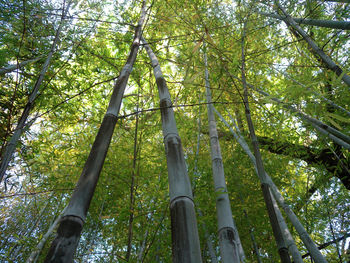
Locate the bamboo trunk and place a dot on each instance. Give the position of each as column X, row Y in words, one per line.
column 276, row 227
column 184, row 232
column 17, row 248
column 339, row 1
column 11, row 68
column 288, row 239
column 316, row 50
column 229, row 248
column 344, row 25
column 282, row 249
column 328, row 101
column 285, row 232
column 308, row 242
column 196, row 175
column 335, row 135
column 35, row 253
column 68, row 233
column 252, row 237
column 11, row 146
column 132, row 185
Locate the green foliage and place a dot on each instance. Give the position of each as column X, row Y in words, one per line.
column 74, row 99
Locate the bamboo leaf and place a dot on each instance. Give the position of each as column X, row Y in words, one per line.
column 334, row 123
column 338, row 117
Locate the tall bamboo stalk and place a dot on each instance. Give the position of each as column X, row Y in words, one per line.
column 11, row 68
column 208, row 239
column 184, row 232
column 68, row 233
column 328, row 101
column 282, row 249
column 344, row 25
column 285, row 231
column 229, row 248
column 316, row 50
column 252, row 237
column 288, row 238
column 304, row 236
column 132, row 184
column 142, row 248
column 334, row 134
column 11, row 146
column 337, row 136
column 339, row 1
column 17, row 247
column 35, row 253
column 308, row 242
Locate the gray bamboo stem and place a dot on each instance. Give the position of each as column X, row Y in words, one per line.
column 68, row 233
column 17, row 248
column 344, row 25
column 288, row 238
column 315, row 93
column 316, row 50
column 337, row 136
column 35, row 253
column 229, row 248
column 334, row 241
column 11, row 68
column 132, row 185
column 287, row 235
column 282, row 249
column 208, row 238
column 308, row 242
column 142, row 248
column 338, row 1
column 185, row 240
column 11, row 146
column 252, row 237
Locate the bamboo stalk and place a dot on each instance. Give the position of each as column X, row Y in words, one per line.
column 282, row 249
column 316, row 50
column 11, row 146
column 132, row 184
column 344, row 25
column 69, row 230
column 208, row 239
column 11, row 68
column 335, row 135
column 308, row 242
column 35, row 253
column 184, row 232
column 229, row 248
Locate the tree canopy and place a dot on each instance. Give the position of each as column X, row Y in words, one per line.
column 290, row 87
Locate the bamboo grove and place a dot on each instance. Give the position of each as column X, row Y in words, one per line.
column 174, row 131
